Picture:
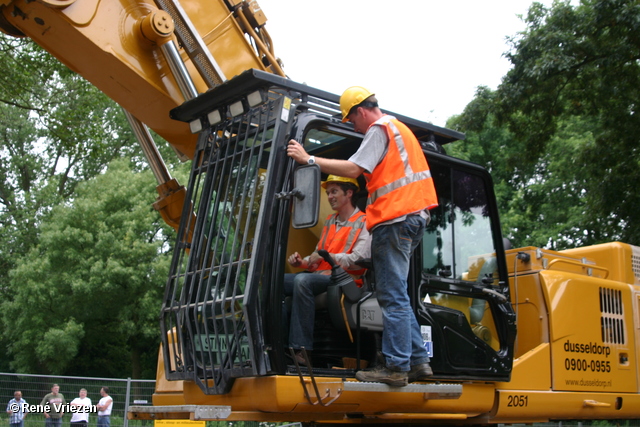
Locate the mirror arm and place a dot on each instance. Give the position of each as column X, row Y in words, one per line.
column 290, row 194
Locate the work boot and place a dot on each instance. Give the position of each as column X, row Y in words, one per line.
column 420, row 372
column 383, row 375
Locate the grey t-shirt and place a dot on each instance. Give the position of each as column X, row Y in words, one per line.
column 372, row 149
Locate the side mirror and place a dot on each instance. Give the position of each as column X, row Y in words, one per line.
column 306, row 192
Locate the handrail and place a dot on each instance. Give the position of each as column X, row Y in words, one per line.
column 578, row 264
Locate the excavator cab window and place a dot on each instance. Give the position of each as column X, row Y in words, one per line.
column 335, row 341
column 462, row 273
column 458, row 242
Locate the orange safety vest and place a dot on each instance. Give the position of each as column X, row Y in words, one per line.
column 342, row 240
column 401, row 183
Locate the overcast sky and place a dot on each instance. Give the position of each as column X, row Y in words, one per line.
column 422, row 58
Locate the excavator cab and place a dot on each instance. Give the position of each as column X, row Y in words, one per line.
column 455, row 282
column 222, row 316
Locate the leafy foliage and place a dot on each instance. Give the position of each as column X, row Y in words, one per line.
column 561, row 132
column 87, row 297
column 57, row 131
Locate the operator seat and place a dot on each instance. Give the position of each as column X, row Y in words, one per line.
column 345, row 300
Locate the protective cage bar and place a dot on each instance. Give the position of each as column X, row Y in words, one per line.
column 213, row 286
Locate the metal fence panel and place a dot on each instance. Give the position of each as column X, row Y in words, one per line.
column 125, row 392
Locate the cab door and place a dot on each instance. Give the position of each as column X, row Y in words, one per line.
column 461, row 292
column 212, row 321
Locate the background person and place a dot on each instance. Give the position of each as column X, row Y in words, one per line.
column 80, row 417
column 105, row 405
column 55, row 401
column 17, row 410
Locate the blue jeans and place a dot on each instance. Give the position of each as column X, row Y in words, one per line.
column 104, row 421
column 18, row 424
column 53, row 422
column 391, row 249
column 303, row 287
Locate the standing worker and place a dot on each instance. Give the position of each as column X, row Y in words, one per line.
column 401, row 192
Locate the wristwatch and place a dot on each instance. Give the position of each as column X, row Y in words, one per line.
column 312, row 160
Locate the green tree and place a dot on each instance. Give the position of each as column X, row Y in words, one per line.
column 559, row 135
column 541, row 197
column 57, row 130
column 47, row 145
column 581, row 65
column 87, row 297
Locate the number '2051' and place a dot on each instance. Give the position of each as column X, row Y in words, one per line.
column 517, row 400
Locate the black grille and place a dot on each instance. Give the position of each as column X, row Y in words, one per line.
column 209, row 296
column 612, row 319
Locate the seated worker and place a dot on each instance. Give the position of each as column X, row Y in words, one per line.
column 346, row 238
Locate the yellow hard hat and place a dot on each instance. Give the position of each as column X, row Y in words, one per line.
column 352, row 97
column 336, row 178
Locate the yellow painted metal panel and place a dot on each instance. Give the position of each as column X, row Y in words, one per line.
column 532, row 371
column 178, row 423
column 284, row 395
column 619, row 259
column 584, row 358
column 517, row 406
column 530, row 308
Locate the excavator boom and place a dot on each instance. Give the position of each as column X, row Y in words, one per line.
column 148, row 57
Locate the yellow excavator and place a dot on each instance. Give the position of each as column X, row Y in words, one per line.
column 516, row 335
